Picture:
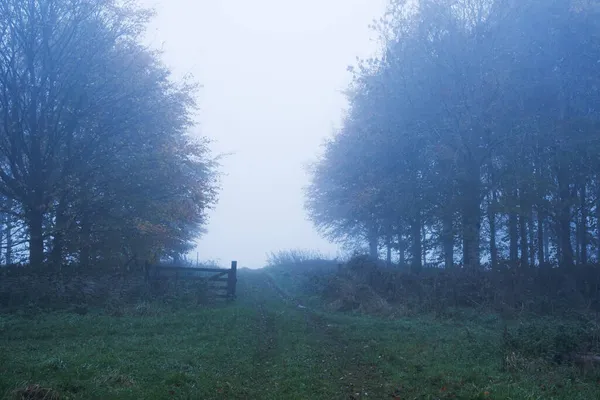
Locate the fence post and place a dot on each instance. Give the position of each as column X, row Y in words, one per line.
column 232, row 280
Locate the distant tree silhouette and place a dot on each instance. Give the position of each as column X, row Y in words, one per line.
column 473, row 137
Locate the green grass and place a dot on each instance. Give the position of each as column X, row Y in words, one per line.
column 263, row 348
column 184, row 354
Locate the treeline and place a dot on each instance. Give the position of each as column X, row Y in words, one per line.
column 96, row 164
column 474, row 138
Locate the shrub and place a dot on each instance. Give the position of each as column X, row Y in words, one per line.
column 293, row 257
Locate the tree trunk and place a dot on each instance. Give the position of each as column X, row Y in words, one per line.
column 557, row 244
column 9, row 241
column 424, row 243
column 541, row 244
column 523, row 229
column 85, row 237
column 388, row 246
column 547, row 230
column 492, row 223
column 401, row 252
column 577, row 234
column 448, row 240
column 583, row 226
column 598, row 218
column 417, row 263
column 531, row 232
column 541, row 237
column 85, row 250
column 3, row 233
column 564, row 222
column 36, row 237
column 471, row 240
column 471, row 218
column 513, row 233
column 59, row 235
column 491, row 213
column 523, row 237
column 373, row 248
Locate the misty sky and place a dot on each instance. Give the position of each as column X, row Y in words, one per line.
column 272, row 72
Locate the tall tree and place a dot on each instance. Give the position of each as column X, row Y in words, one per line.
column 87, row 113
column 479, row 118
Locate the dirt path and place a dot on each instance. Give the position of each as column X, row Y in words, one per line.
column 254, row 291
column 258, row 290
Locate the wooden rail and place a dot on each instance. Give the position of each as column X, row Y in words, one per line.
column 209, row 275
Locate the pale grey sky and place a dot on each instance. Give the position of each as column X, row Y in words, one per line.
column 272, row 72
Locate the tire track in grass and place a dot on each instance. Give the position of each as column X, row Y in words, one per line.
column 255, row 294
column 357, row 379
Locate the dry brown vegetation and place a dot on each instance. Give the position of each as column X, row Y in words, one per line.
column 368, row 286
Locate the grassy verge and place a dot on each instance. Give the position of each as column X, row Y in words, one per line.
column 262, row 348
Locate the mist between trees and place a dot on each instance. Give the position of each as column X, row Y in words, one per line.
column 472, row 139
column 96, row 162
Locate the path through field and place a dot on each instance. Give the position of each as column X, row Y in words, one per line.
column 294, row 336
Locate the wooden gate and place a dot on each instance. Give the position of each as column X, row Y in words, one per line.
column 220, row 279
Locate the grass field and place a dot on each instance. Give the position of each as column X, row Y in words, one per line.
column 262, row 347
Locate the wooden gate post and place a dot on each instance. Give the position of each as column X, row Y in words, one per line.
column 231, row 282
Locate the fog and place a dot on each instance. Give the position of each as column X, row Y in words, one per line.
column 272, row 77
column 462, row 179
